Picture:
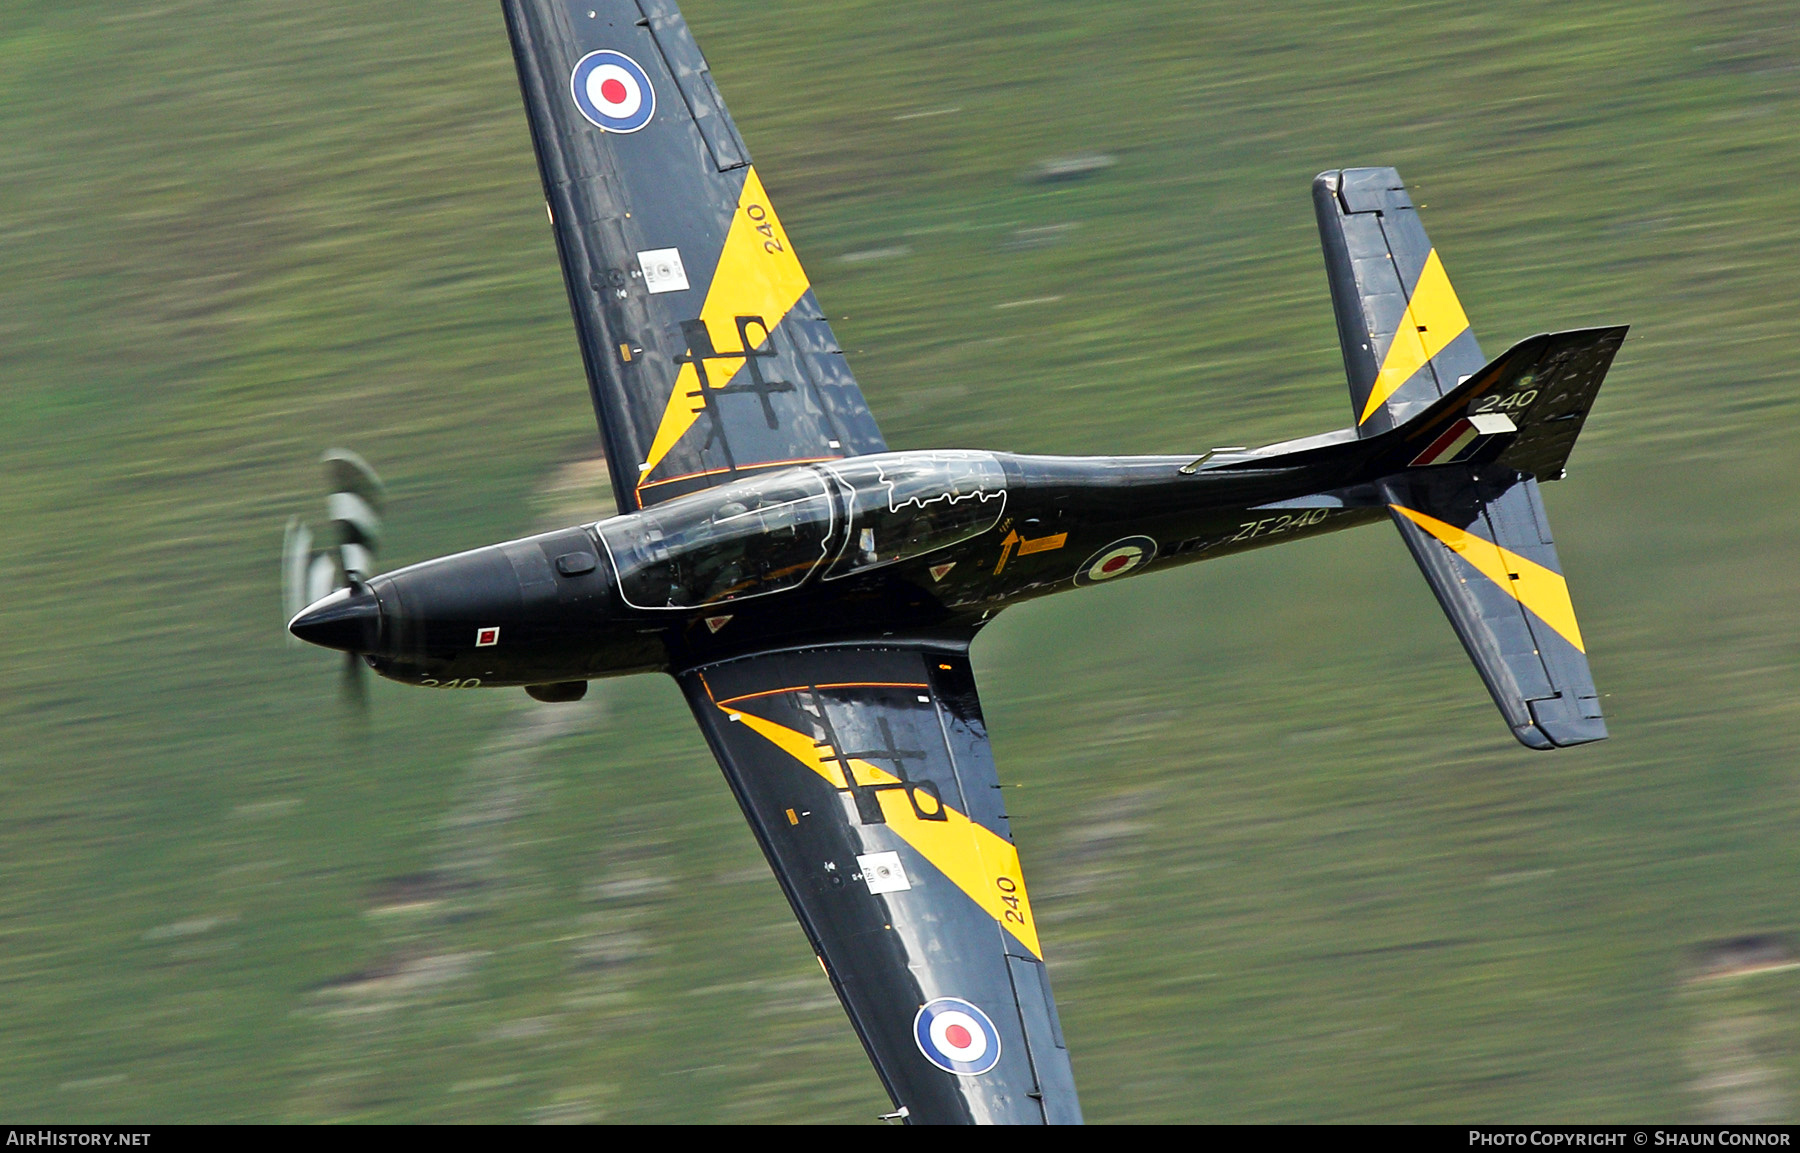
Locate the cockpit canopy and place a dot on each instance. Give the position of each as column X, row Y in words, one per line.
column 903, row 505
column 745, row 539
column 769, row 533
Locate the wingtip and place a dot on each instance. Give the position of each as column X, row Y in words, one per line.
column 1532, row 738
column 1561, row 737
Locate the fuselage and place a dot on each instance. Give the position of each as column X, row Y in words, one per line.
column 922, row 545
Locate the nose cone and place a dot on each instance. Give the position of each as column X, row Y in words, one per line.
column 348, row 620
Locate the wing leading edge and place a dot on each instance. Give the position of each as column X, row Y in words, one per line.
column 707, row 354
column 866, row 776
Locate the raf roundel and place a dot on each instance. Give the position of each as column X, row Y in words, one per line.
column 957, row 1037
column 1116, row 560
column 613, row 91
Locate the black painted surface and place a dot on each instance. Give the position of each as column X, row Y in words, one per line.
column 1061, row 515
column 1375, row 249
column 1540, row 680
column 512, row 615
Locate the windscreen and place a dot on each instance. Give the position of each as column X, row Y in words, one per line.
column 905, row 505
column 739, row 540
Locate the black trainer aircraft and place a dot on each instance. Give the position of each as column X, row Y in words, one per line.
column 815, row 595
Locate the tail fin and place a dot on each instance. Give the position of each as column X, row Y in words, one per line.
column 1522, row 412
column 1455, row 449
column 1405, row 337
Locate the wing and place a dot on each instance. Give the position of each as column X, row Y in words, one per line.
column 866, row 776
column 706, row 352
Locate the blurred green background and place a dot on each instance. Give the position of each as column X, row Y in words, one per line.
column 1290, row 864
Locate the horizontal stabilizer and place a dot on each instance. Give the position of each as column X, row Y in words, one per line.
column 1483, row 541
column 1405, row 337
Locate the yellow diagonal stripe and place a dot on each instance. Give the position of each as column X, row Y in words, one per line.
column 758, row 275
column 977, row 860
column 1435, row 309
column 1542, row 591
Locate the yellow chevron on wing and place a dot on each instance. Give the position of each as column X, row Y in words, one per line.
column 1434, row 318
column 977, row 860
column 758, row 275
column 1539, row 589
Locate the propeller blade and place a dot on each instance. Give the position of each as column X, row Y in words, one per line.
column 356, row 519
column 321, row 578
column 354, row 688
column 347, row 472
column 296, row 555
column 355, row 505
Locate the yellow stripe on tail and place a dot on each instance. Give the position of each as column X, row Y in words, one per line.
column 1434, row 318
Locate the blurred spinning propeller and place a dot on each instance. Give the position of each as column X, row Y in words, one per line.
column 342, row 554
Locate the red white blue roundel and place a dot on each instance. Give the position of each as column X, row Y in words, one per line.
column 1117, row 559
column 957, row 1037
column 613, row 91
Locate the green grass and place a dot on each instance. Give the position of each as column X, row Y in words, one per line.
column 1290, row 864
